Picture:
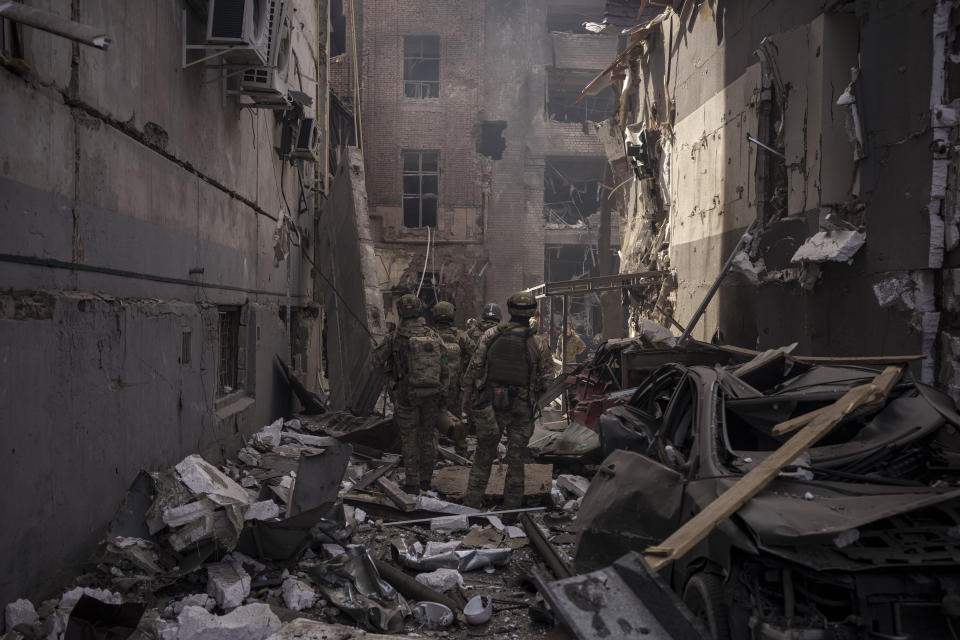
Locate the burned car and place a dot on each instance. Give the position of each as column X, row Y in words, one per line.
column 859, row 538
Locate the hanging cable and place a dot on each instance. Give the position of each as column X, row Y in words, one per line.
column 425, row 258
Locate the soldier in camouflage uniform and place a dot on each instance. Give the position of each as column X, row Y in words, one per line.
column 509, row 370
column 457, row 344
column 490, row 318
column 414, row 359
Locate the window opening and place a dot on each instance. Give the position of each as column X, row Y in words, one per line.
column 227, row 374
column 421, row 66
column 421, row 178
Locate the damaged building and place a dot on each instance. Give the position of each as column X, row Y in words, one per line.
column 778, row 120
column 482, row 177
column 159, row 217
column 745, row 209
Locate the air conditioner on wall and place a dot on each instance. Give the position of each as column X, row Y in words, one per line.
column 241, row 26
column 270, row 80
column 305, row 144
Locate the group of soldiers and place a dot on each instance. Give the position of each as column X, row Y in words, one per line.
column 489, row 376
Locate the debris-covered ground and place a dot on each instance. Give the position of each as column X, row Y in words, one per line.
column 307, row 529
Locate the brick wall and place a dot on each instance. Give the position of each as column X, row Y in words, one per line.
column 393, row 122
column 583, row 50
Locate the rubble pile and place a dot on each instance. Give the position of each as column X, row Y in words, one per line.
column 306, row 533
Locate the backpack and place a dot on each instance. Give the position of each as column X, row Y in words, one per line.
column 508, row 358
column 454, row 353
column 424, row 354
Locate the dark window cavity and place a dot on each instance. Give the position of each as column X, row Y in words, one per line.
column 227, row 371
column 492, row 142
column 421, row 182
column 421, row 66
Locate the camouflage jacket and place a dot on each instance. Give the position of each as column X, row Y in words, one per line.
column 541, row 376
column 388, row 359
column 453, row 335
column 473, row 336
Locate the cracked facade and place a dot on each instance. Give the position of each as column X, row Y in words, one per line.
column 143, row 300
column 781, row 112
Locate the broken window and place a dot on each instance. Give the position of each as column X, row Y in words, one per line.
column 571, row 191
column 229, row 334
column 492, row 143
column 421, row 181
column 421, row 66
column 564, row 88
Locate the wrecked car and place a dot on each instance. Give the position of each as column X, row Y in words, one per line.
column 859, row 538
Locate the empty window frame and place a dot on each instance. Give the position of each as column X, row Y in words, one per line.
column 421, row 181
column 229, row 334
column 421, row 66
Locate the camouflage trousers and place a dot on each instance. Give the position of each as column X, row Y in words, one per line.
column 457, row 432
column 491, row 423
column 417, row 422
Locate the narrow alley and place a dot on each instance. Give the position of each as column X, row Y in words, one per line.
column 561, row 319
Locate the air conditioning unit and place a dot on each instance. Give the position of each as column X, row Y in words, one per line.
column 271, row 79
column 308, row 137
column 240, row 25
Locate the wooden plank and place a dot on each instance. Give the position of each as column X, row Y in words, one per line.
column 451, row 482
column 373, row 475
column 453, row 456
column 698, row 527
column 403, row 500
column 795, row 423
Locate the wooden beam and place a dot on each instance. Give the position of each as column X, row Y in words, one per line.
column 697, row 528
column 403, row 500
column 795, row 423
column 373, row 475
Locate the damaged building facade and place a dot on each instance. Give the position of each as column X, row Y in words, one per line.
column 158, row 202
column 825, row 131
column 482, row 179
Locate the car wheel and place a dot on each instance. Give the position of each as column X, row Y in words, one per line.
column 704, row 596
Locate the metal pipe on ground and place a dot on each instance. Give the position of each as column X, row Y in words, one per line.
column 558, row 565
column 410, row 588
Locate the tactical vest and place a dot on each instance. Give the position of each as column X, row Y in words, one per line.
column 420, row 356
column 449, row 335
column 508, row 358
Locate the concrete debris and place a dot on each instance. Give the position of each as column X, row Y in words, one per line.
column 515, row 532
column 69, row 599
column 20, row 612
column 250, row 622
column 204, row 479
column 441, row 580
column 655, row 334
column 304, row 629
column 269, row 436
column 753, row 271
column 194, row 600
column 830, row 246
column 249, row 456
column 228, row 584
column 574, row 485
column 297, row 594
column 263, row 510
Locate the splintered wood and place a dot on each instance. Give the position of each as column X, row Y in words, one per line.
column 819, row 425
column 537, row 480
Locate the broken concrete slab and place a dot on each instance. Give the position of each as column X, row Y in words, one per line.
column 830, row 246
column 574, row 485
column 538, row 480
column 441, row 580
column 69, row 599
column 20, row 612
column 204, row 479
column 297, row 594
column 228, row 584
column 263, row 510
column 269, row 436
column 187, row 513
column 251, row 622
column 449, row 524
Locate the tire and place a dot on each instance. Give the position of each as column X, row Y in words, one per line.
column 704, row 596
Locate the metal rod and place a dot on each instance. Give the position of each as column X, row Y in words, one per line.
column 479, row 514
column 55, row 24
column 546, row 550
column 716, row 283
column 763, row 146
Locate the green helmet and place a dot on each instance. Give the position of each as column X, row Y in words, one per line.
column 408, row 306
column 522, row 305
column 443, row 312
column 491, row 311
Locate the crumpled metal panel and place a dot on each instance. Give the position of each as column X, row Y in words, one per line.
column 415, row 557
column 624, row 600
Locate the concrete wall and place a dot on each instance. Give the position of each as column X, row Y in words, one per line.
column 711, row 183
column 135, row 197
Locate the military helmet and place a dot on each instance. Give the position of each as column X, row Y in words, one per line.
column 491, row 311
column 443, row 312
column 408, row 306
column 522, row 304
